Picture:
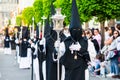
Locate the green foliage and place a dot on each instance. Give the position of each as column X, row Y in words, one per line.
column 83, row 6
column 38, row 7
column 9, row 22
column 103, row 9
column 66, row 9
column 18, row 20
column 42, row 8
column 65, row 5
column 27, row 15
column 46, row 7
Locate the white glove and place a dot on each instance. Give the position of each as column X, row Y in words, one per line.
column 7, row 39
column 42, row 42
column 16, row 41
column 75, row 47
column 56, row 45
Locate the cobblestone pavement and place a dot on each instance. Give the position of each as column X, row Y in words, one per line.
column 9, row 69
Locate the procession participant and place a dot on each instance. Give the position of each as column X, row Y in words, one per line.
column 17, row 50
column 24, row 61
column 34, row 48
column 73, row 51
column 40, row 52
column 51, row 66
column 64, row 33
column 7, row 49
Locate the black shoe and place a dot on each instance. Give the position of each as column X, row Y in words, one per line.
column 115, row 76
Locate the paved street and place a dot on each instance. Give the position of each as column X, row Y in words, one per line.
column 9, row 69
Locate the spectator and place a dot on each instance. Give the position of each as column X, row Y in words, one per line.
column 97, row 36
column 114, row 69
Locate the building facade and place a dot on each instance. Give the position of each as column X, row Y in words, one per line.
column 6, row 7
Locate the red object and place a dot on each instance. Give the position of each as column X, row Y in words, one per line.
column 40, row 35
column 119, row 59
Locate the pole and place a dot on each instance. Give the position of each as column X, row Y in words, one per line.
column 43, row 25
column 33, row 28
column 32, row 68
column 58, row 61
column 30, row 32
column 39, row 24
column 21, row 32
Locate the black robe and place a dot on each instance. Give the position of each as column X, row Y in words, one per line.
column 23, row 48
column 41, row 58
column 62, row 36
column 75, row 68
column 7, row 42
column 51, row 66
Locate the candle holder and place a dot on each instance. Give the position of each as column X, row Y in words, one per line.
column 58, row 19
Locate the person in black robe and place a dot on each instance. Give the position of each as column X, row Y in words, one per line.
column 51, row 66
column 73, row 51
column 23, row 53
column 24, row 63
column 24, row 46
column 64, row 33
column 40, row 53
column 51, row 37
column 7, row 43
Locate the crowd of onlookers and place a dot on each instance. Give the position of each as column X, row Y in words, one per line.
column 105, row 60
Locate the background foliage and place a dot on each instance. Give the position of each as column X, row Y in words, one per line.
column 102, row 9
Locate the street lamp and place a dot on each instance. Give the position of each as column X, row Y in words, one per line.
column 58, row 19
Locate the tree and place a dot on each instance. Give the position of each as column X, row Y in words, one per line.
column 66, row 9
column 27, row 15
column 65, row 6
column 18, row 20
column 102, row 9
column 38, row 7
column 42, row 8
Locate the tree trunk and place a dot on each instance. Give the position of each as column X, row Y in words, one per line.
column 86, row 25
column 111, row 23
column 102, row 33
